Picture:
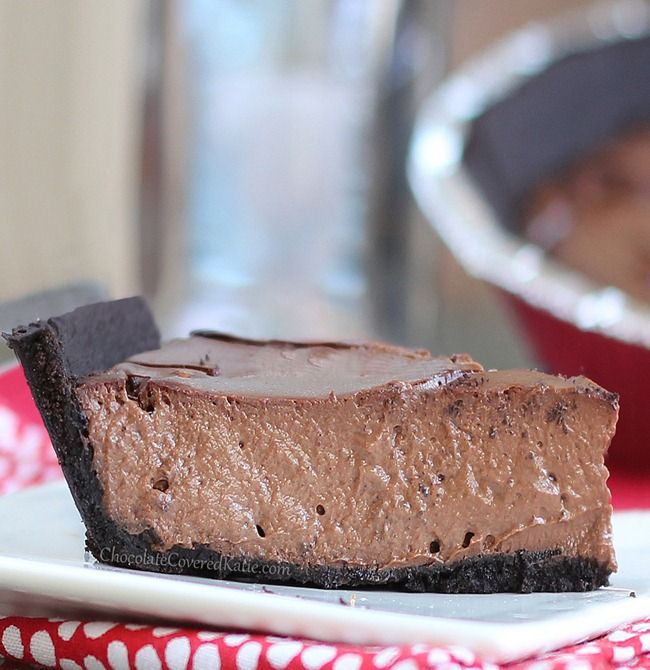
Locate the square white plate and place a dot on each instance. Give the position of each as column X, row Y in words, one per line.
column 44, row 571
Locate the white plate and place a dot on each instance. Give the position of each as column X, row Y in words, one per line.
column 43, row 570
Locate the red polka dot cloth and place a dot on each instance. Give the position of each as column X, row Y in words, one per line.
column 26, row 458
column 26, row 455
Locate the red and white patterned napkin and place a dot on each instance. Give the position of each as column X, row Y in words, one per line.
column 26, row 458
column 26, row 455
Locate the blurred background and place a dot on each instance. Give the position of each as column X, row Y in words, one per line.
column 241, row 163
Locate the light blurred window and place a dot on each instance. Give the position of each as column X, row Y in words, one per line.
column 280, row 108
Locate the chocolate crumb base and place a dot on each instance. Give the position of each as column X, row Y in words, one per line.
column 519, row 572
column 54, row 355
column 57, row 353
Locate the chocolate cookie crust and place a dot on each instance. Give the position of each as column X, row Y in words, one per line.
column 61, row 353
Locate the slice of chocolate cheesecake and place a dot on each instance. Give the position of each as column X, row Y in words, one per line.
column 327, row 464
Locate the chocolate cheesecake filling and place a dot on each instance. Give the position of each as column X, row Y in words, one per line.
column 331, row 454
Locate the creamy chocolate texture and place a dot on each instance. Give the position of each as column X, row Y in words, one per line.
column 334, row 454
